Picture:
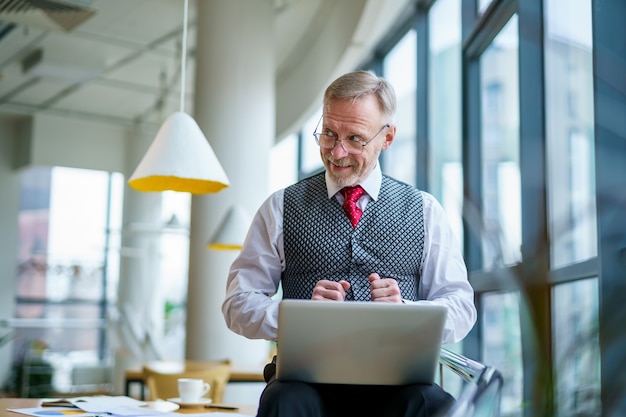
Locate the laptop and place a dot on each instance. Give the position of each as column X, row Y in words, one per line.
column 358, row 342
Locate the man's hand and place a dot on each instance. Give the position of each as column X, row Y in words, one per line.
column 384, row 289
column 330, row 290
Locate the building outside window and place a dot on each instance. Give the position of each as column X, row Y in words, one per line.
column 68, row 269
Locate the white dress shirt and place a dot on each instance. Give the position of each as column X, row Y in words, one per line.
column 251, row 308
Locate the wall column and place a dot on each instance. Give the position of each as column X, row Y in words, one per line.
column 235, row 108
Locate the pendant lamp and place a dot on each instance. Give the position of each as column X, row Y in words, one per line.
column 180, row 157
column 231, row 233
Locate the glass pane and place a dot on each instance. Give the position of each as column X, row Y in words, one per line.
column 445, row 176
column 483, row 4
column 576, row 347
column 63, row 233
column 284, row 162
column 173, row 270
column 33, row 232
column 570, row 131
column 502, row 346
column 62, row 328
column 77, row 234
column 311, row 160
column 500, row 149
column 69, row 223
column 400, row 69
column 114, row 237
column 48, row 348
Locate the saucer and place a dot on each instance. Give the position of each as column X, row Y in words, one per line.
column 201, row 402
column 160, row 405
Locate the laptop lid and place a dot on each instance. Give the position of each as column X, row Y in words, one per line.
column 358, row 342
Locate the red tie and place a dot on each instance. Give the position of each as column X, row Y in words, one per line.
column 351, row 195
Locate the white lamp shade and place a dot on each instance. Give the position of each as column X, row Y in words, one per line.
column 231, row 233
column 180, row 159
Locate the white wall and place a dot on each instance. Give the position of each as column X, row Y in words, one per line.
column 62, row 141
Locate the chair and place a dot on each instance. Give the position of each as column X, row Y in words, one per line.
column 161, row 377
column 483, row 386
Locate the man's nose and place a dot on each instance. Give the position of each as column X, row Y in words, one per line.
column 338, row 151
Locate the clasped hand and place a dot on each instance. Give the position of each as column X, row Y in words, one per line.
column 381, row 289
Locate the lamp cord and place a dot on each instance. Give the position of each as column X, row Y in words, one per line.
column 184, row 59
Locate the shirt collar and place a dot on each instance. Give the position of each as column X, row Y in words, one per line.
column 371, row 184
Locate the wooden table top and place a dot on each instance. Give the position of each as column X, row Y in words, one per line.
column 6, row 403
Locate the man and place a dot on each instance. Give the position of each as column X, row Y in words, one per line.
column 301, row 237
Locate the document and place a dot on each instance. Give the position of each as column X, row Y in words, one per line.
column 95, row 403
column 52, row 412
column 94, row 406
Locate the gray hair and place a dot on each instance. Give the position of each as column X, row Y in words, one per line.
column 358, row 84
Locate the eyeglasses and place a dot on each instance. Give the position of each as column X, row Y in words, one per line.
column 352, row 144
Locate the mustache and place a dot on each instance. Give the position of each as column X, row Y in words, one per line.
column 343, row 162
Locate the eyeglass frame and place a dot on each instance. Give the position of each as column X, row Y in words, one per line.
column 317, row 134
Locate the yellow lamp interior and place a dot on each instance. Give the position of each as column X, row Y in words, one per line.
column 224, row 246
column 158, row 183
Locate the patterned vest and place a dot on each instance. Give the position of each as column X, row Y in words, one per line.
column 320, row 242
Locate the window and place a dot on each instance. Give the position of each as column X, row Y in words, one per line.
column 444, row 110
column 502, row 346
column 284, row 162
column 172, row 273
column 576, row 347
column 570, row 132
column 500, row 150
column 311, row 160
column 399, row 68
column 68, row 262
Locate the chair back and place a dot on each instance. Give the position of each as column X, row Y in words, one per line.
column 162, row 377
column 483, row 386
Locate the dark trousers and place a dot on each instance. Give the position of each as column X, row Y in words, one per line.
column 299, row 399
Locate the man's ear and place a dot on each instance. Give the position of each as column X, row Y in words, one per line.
column 389, row 136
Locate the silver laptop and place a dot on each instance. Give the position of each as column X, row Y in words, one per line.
column 358, row 342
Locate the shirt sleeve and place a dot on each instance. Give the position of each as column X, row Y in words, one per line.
column 250, row 307
column 444, row 278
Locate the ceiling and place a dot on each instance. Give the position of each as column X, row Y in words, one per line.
column 119, row 60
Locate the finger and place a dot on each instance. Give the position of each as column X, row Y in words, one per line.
column 373, row 277
column 385, row 290
column 325, row 294
column 329, row 290
column 325, row 283
column 345, row 285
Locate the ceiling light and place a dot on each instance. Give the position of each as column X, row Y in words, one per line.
column 231, row 233
column 180, row 157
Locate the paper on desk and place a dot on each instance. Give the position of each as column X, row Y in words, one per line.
column 214, row 414
column 103, row 405
column 125, row 412
column 96, row 403
column 51, row 411
column 121, row 411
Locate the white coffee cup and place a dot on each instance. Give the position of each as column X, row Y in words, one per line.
column 192, row 389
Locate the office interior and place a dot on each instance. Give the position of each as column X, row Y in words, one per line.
column 511, row 112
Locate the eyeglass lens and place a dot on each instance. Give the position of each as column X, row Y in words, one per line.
column 350, row 146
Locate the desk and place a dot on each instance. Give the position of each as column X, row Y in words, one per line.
column 34, row 402
column 237, row 374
